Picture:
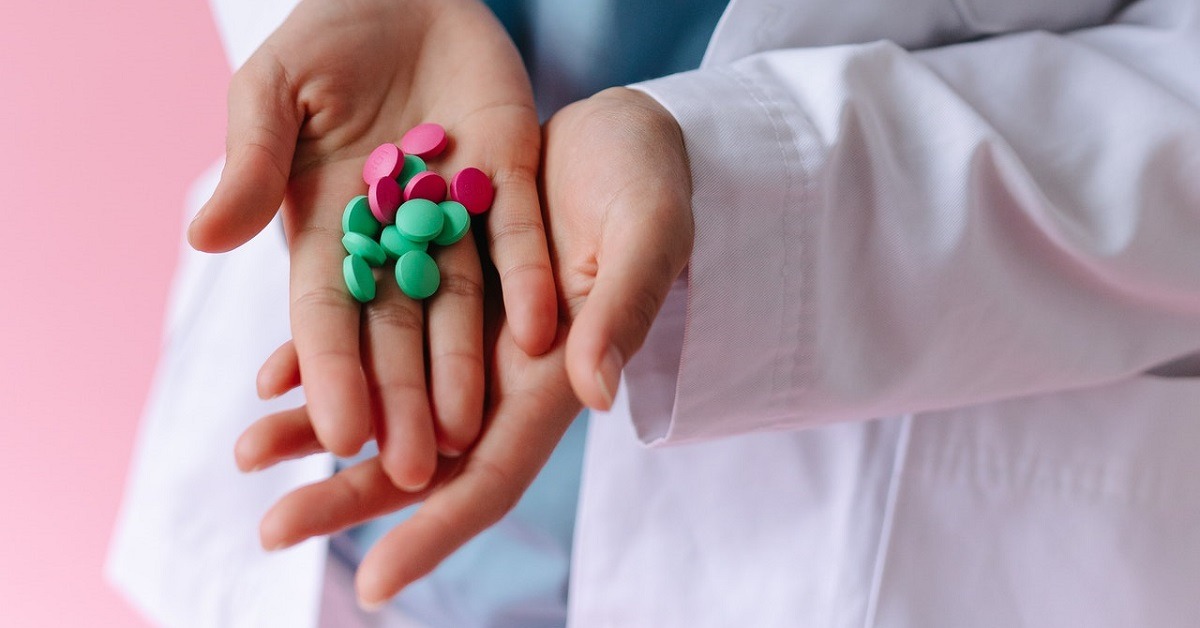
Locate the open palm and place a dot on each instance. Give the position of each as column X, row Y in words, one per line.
column 334, row 81
column 617, row 185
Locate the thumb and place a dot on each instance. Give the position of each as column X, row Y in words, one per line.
column 264, row 121
column 636, row 266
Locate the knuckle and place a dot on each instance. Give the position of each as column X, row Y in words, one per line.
column 458, row 284
column 311, row 231
column 269, row 151
column 456, row 357
column 502, row 485
column 331, row 354
column 518, row 175
column 353, row 488
column 519, row 269
column 395, row 315
column 514, row 228
column 575, row 303
column 322, row 298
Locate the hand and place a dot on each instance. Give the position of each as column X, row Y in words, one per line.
column 335, row 80
column 616, row 176
column 530, row 407
column 617, row 185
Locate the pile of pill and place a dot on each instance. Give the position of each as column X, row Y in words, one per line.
column 404, row 210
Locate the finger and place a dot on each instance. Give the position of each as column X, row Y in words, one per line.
column 394, row 339
column 264, row 121
column 495, row 474
column 518, row 248
column 352, row 496
column 325, row 318
column 280, row 373
column 638, row 261
column 456, row 348
column 274, row 438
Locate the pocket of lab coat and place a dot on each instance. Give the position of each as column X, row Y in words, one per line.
column 1078, row 508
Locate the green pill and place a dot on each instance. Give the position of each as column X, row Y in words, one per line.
column 417, row 274
column 364, row 247
column 358, row 218
column 359, row 279
column 413, row 166
column 456, row 224
column 420, row 220
column 395, row 244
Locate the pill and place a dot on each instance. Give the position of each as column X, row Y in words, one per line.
column 359, row 279
column 417, row 274
column 420, row 220
column 395, row 244
column 364, row 247
column 455, row 225
column 358, row 218
column 426, row 140
column 427, row 185
column 413, row 166
column 384, row 196
column 473, row 189
column 383, row 162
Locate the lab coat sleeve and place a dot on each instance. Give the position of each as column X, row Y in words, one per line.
column 882, row 231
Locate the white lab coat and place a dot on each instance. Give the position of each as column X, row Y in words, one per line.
column 988, row 242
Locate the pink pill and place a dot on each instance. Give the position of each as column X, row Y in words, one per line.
column 384, row 162
column 426, row 140
column 426, row 185
column 385, row 197
column 473, row 189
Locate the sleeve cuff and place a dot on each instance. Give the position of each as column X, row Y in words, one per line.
column 730, row 342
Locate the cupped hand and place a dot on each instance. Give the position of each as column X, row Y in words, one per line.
column 334, row 81
column 617, row 187
column 616, row 178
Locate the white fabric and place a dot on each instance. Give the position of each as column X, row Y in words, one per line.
column 186, row 547
column 985, row 241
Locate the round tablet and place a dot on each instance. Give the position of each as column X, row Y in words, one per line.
column 473, row 189
column 456, row 224
column 395, row 244
column 426, row 140
column 384, row 197
column 359, row 279
column 427, row 185
column 364, row 247
column 383, row 162
column 358, row 218
column 417, row 274
column 420, row 220
column 413, row 166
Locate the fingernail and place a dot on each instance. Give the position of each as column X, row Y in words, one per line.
column 191, row 230
column 200, row 214
column 415, row 488
column 449, row 452
column 371, row 607
column 608, row 375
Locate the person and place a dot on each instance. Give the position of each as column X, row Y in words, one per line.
column 537, row 534
column 917, row 366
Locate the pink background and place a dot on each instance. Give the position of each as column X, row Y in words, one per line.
column 108, row 111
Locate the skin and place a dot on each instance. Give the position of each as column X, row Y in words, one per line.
column 337, row 79
column 617, row 186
